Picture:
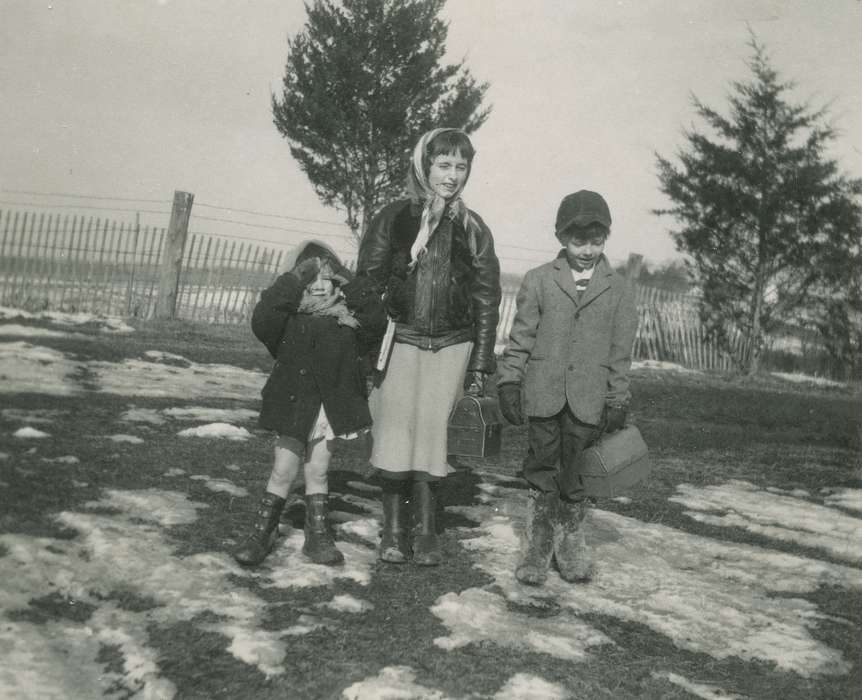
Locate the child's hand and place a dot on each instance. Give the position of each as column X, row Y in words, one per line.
column 614, row 418
column 338, row 272
column 306, row 272
column 509, row 396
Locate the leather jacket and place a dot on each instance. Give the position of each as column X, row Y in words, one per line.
column 451, row 295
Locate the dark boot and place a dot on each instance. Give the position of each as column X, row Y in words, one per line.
column 426, row 548
column 573, row 556
column 393, row 542
column 538, row 545
column 319, row 545
column 264, row 532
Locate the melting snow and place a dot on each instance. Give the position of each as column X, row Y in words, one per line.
column 707, row 691
column 525, row 685
column 110, row 324
column 778, row 516
column 202, row 413
column 26, row 368
column 392, row 683
column 348, row 604
column 806, row 379
column 142, row 415
column 127, row 549
column 850, row 499
column 65, row 459
column 42, row 416
column 175, row 471
column 27, row 432
column 131, row 439
column 12, row 329
column 662, row 365
column 217, row 430
column 220, row 485
column 708, row 596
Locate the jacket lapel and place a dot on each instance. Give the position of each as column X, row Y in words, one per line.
column 565, row 281
column 600, row 282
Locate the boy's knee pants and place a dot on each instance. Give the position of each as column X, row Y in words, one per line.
column 551, row 465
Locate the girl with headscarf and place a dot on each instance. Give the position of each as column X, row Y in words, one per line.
column 433, row 260
column 319, row 324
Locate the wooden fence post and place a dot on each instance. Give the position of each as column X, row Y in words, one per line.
column 172, row 255
column 633, row 267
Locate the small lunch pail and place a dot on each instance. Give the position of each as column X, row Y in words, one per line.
column 616, row 462
column 474, row 427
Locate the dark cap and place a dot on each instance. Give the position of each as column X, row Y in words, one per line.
column 582, row 208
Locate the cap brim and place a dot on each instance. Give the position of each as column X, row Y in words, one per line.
column 583, row 220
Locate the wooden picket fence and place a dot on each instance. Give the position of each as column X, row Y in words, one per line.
column 86, row 264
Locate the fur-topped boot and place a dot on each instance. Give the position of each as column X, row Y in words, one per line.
column 538, row 544
column 264, row 532
column 574, row 557
column 426, row 547
column 393, row 541
column 319, row 545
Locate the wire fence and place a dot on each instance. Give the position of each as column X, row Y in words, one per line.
column 81, row 263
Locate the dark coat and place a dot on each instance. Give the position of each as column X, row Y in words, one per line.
column 318, row 361
column 571, row 348
column 454, row 292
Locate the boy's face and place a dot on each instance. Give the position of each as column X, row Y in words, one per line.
column 583, row 247
column 448, row 173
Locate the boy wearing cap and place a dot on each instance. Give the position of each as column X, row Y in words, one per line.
column 568, row 355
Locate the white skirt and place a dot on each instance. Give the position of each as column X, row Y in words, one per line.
column 410, row 409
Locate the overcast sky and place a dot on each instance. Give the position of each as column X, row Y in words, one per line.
column 137, row 98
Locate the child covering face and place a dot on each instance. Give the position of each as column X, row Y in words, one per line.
column 319, row 324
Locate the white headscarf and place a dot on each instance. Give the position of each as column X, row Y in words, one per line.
column 433, row 204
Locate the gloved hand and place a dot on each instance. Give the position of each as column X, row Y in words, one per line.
column 474, row 383
column 337, row 272
column 509, row 396
column 306, row 271
column 614, row 418
column 358, row 291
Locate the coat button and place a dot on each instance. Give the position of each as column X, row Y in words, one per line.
column 292, row 397
column 303, row 372
column 571, row 368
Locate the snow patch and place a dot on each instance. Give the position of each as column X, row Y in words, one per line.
column 392, row 683
column 797, row 378
column 142, row 415
column 16, row 330
column 111, row 324
column 36, row 416
column 777, row 516
column 131, row 439
column 849, row 499
column 211, row 415
column 707, row 691
column 217, row 430
column 708, row 596
column 221, row 485
column 28, row 433
column 525, row 685
column 32, row 369
column 347, row 604
column 662, row 365
column 174, row 471
column 65, row 459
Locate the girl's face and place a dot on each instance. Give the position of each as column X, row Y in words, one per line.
column 322, row 286
column 447, row 174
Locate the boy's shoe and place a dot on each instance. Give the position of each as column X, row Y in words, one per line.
column 264, row 532
column 393, row 542
column 538, row 545
column 574, row 557
column 426, row 547
column 319, row 545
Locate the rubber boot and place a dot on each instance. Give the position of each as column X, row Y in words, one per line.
column 538, row 546
column 426, row 547
column 264, row 532
column 393, row 541
column 319, row 545
column 573, row 556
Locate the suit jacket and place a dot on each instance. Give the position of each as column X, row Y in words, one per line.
column 570, row 350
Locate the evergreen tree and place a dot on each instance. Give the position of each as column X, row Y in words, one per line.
column 364, row 79
column 767, row 218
